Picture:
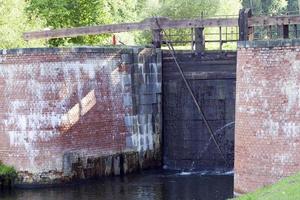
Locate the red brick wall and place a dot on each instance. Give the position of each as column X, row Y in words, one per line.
column 56, row 101
column 267, row 132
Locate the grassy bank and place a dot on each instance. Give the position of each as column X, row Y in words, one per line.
column 286, row 189
column 7, row 175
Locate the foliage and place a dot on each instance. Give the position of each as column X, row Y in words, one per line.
column 187, row 9
column 7, row 172
column 19, row 16
column 175, row 9
column 293, row 6
column 76, row 13
column 266, row 7
column 13, row 22
column 287, row 188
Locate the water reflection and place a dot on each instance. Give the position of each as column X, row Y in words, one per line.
column 151, row 185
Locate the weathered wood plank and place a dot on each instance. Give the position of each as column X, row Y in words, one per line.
column 149, row 24
column 285, row 31
column 199, row 40
column 271, row 21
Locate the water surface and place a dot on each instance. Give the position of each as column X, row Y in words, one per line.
column 149, row 185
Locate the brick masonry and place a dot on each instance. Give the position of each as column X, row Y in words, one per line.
column 62, row 109
column 187, row 143
column 267, row 136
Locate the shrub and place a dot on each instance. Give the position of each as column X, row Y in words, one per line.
column 7, row 172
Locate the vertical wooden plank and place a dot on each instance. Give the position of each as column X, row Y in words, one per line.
column 156, row 38
column 246, row 32
column 220, row 37
column 249, row 30
column 192, row 39
column 241, row 22
column 270, row 32
column 279, row 31
column 285, row 31
column 199, row 40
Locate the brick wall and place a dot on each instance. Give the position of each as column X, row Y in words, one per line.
column 267, row 136
column 61, row 105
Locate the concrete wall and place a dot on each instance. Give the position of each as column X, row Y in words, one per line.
column 267, row 137
column 79, row 112
column 187, row 142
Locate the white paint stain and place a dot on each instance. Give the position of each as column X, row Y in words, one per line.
column 271, row 127
column 291, row 89
column 291, row 129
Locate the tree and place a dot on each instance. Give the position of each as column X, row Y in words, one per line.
column 13, row 22
column 175, row 9
column 76, row 13
column 188, row 8
column 265, row 7
column 293, row 6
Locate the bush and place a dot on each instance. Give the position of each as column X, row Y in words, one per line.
column 7, row 172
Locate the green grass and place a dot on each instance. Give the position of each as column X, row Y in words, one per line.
column 286, row 189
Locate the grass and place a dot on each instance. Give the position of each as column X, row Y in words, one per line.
column 286, row 189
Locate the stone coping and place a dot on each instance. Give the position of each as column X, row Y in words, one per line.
column 269, row 43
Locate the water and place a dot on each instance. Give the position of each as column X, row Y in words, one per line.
column 150, row 185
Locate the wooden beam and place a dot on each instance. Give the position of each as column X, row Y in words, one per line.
column 148, row 24
column 273, row 21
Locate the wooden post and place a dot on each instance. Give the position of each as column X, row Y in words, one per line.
column 245, row 32
column 285, row 31
column 279, row 31
column 220, row 37
column 270, row 32
column 156, row 38
column 241, row 25
column 199, row 40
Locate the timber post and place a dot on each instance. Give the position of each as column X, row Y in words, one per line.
column 156, row 38
column 199, row 40
column 245, row 32
column 285, row 31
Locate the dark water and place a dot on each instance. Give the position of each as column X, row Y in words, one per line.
column 151, row 185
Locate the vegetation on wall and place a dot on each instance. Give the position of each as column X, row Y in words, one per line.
column 7, row 175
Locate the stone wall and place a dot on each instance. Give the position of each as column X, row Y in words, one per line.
column 267, row 137
column 187, row 143
column 62, row 109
